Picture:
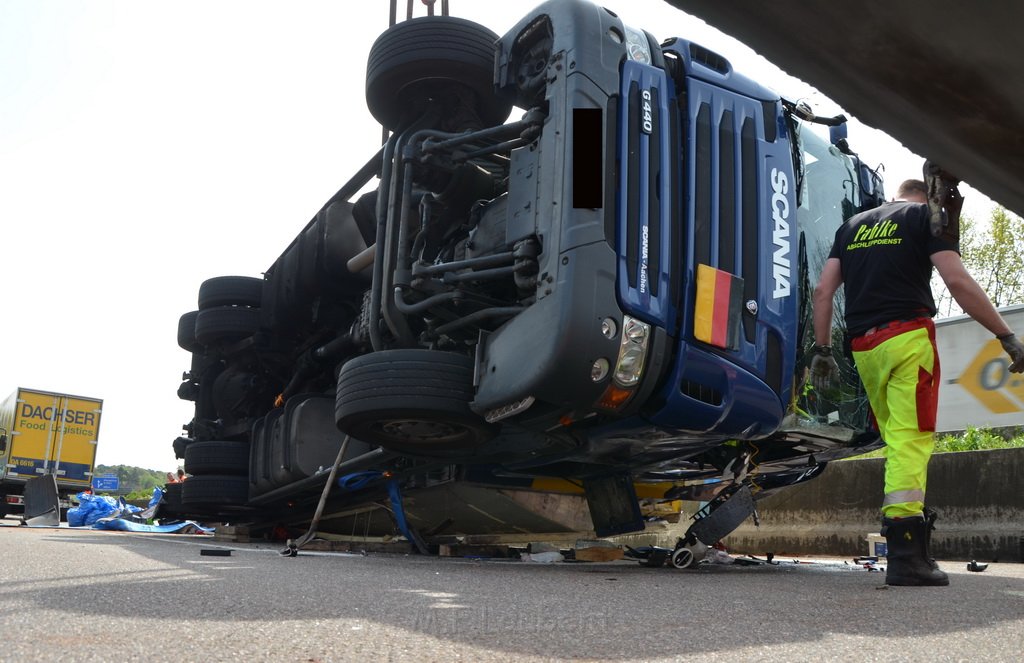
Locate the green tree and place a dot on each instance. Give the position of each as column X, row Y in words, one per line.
column 134, row 479
column 993, row 257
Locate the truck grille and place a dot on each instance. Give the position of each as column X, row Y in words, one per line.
column 734, row 247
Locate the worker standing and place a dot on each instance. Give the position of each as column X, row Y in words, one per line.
column 883, row 258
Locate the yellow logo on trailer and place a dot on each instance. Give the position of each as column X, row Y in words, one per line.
column 54, row 433
column 989, row 380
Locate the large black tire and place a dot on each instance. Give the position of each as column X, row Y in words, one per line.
column 407, row 62
column 217, row 457
column 230, row 291
column 180, row 445
column 226, row 324
column 172, row 496
column 414, row 401
column 170, row 505
column 215, row 490
column 187, row 331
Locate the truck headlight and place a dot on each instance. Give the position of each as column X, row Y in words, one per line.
column 632, row 352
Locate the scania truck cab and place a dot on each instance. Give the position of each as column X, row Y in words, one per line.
column 611, row 289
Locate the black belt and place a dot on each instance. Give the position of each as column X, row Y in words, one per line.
column 886, row 325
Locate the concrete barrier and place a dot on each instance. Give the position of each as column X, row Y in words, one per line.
column 979, row 496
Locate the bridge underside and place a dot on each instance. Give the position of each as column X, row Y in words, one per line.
column 944, row 78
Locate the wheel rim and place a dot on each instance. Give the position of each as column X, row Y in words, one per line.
column 422, row 431
column 682, row 558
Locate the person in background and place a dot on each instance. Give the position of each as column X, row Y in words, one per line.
column 884, row 258
column 171, row 478
column 181, row 475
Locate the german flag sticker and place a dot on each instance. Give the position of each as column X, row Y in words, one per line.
column 716, row 316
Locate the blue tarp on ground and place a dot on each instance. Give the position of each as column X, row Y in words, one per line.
column 102, row 512
column 123, row 525
column 93, row 507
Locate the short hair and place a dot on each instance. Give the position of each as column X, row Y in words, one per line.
column 912, row 186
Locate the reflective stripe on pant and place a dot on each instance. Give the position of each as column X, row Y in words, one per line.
column 899, row 366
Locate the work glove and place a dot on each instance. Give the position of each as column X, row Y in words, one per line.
column 824, row 369
column 1015, row 349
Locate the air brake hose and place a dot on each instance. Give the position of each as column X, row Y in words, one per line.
column 358, row 480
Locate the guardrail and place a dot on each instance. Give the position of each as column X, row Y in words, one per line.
column 979, row 496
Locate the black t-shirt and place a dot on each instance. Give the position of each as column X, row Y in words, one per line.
column 885, row 256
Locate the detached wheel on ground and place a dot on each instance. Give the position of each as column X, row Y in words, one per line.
column 414, row 401
column 682, row 558
column 230, row 291
column 410, row 63
column 215, row 490
column 217, row 457
column 688, row 554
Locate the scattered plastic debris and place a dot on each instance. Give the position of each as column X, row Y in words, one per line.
column 718, row 556
column 752, row 560
column 869, row 562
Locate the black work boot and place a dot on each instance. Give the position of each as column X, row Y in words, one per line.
column 907, row 559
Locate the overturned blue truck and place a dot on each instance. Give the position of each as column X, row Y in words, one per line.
column 583, row 278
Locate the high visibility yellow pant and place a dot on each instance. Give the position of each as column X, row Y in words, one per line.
column 899, row 366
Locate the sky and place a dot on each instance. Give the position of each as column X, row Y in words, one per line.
column 148, row 146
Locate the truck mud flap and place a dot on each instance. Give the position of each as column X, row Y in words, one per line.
column 613, row 504
column 42, row 503
column 727, row 517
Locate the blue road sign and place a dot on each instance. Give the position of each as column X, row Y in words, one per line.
column 107, row 484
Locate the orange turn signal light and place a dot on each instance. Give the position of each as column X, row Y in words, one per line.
column 614, row 397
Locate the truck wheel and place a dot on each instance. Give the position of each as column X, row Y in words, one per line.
column 170, row 504
column 414, row 401
column 187, row 331
column 180, row 445
column 230, row 291
column 408, row 61
column 172, row 496
column 215, row 490
column 217, row 457
column 226, row 324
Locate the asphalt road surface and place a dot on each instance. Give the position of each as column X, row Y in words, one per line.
column 89, row 595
